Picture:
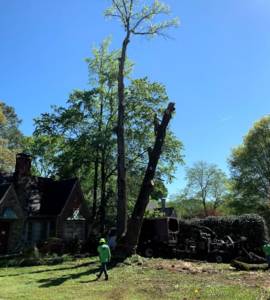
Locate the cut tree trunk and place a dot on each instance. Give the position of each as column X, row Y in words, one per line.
column 129, row 243
column 240, row 265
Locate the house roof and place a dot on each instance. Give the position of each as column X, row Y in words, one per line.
column 38, row 196
column 54, row 195
column 43, row 196
column 3, row 189
column 168, row 211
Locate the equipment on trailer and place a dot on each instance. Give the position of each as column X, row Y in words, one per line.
column 158, row 236
column 167, row 237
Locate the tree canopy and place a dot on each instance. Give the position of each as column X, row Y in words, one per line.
column 11, row 138
column 206, row 183
column 79, row 139
column 250, row 169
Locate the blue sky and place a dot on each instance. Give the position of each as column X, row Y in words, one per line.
column 216, row 68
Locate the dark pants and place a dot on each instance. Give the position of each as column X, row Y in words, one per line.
column 103, row 269
column 268, row 260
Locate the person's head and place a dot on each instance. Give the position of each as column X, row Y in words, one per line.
column 102, row 241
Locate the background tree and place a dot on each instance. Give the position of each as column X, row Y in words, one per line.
column 137, row 18
column 11, row 138
column 2, row 117
column 84, row 135
column 44, row 150
column 208, row 183
column 250, row 170
column 186, row 207
column 85, row 131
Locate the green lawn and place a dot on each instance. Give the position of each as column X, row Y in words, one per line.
column 154, row 279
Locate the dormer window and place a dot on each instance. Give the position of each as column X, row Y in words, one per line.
column 8, row 214
column 76, row 216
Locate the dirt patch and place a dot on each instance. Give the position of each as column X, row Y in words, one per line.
column 256, row 279
column 117, row 294
column 182, row 266
column 220, row 273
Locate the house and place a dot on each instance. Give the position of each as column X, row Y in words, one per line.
column 154, row 207
column 33, row 208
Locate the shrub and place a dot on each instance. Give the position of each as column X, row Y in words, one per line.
column 28, row 261
column 135, row 260
column 90, row 245
column 52, row 245
column 73, row 246
column 31, row 252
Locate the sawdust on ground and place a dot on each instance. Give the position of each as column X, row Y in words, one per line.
column 219, row 272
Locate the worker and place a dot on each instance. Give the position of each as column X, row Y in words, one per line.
column 266, row 250
column 112, row 239
column 104, row 253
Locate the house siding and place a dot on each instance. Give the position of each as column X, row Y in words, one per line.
column 75, row 201
column 16, row 231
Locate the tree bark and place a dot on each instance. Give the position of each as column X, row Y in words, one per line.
column 103, row 199
column 121, row 164
column 95, row 188
column 205, row 208
column 134, row 226
column 239, row 265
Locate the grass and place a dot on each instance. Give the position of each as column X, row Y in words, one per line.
column 153, row 279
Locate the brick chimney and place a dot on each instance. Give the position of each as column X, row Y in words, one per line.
column 23, row 165
column 163, row 204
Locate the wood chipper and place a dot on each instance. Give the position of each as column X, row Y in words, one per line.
column 158, row 237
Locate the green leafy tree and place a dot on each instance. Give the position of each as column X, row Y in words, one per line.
column 11, row 138
column 2, row 117
column 250, row 170
column 85, row 140
column 186, row 207
column 44, row 150
column 207, row 183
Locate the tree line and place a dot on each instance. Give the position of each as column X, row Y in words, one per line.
column 247, row 190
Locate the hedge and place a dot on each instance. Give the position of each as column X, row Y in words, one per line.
column 252, row 226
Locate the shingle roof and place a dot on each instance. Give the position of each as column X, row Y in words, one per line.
column 43, row 196
column 54, row 195
column 3, row 189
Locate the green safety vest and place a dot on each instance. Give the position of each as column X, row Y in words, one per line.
column 104, row 253
column 266, row 249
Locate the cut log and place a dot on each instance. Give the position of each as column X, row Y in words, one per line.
column 243, row 266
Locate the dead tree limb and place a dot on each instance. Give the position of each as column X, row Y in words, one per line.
column 131, row 238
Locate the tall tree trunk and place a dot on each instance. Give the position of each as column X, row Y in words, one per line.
column 95, row 187
column 103, row 200
column 121, row 165
column 134, row 226
column 205, row 208
column 102, row 161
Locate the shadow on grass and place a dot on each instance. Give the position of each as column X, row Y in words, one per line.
column 49, row 282
column 52, row 269
column 46, row 283
column 90, row 281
